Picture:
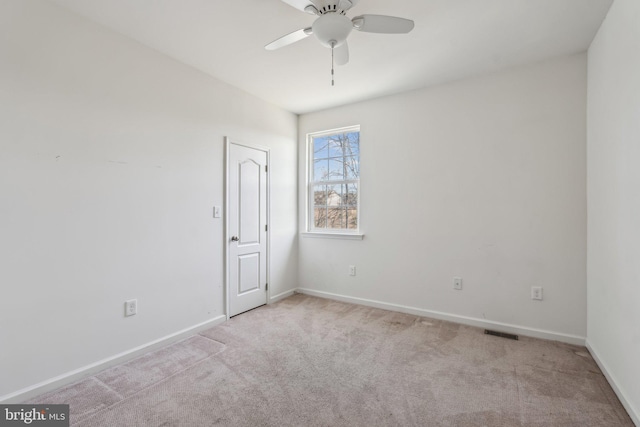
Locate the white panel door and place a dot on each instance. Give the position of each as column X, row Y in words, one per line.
column 247, row 228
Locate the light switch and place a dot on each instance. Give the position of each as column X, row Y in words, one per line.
column 216, row 212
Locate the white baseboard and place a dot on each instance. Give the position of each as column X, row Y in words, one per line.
column 635, row 416
column 77, row 374
column 69, row 377
column 471, row 321
column 281, row 296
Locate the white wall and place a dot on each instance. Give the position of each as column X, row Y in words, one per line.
column 483, row 179
column 111, row 159
column 613, row 332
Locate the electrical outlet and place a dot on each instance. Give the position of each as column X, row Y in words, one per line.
column 352, row 270
column 130, row 307
column 457, row 283
column 536, row 293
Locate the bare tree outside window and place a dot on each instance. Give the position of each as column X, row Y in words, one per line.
column 334, row 180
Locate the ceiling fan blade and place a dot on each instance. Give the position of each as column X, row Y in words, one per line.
column 354, row 3
column 302, row 5
column 341, row 54
column 289, row 39
column 382, row 24
column 346, row 4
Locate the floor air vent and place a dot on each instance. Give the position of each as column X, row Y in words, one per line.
column 501, row 334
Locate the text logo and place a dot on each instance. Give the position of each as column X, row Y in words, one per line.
column 34, row 415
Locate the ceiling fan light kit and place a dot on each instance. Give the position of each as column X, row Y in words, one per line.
column 332, row 27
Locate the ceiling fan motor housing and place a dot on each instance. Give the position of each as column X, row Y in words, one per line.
column 332, row 29
column 329, row 6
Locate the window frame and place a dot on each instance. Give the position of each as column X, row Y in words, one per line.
column 310, row 230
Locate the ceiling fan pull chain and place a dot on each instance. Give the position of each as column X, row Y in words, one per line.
column 333, row 44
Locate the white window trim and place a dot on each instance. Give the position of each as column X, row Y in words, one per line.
column 338, row 235
column 327, row 233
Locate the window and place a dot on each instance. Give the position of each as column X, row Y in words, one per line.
column 334, row 181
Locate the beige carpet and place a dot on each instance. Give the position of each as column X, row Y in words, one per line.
column 313, row 362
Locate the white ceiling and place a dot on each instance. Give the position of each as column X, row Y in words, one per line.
column 452, row 39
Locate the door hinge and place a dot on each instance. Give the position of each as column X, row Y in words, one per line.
column 266, row 168
column 266, row 287
column 266, row 227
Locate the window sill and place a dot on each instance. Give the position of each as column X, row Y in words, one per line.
column 343, row 236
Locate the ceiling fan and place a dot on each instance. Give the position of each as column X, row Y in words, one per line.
column 332, row 27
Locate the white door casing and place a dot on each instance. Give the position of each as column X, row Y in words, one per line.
column 246, row 227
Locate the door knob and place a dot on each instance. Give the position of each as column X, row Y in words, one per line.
column 234, row 238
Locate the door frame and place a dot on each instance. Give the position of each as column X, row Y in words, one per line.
column 228, row 142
